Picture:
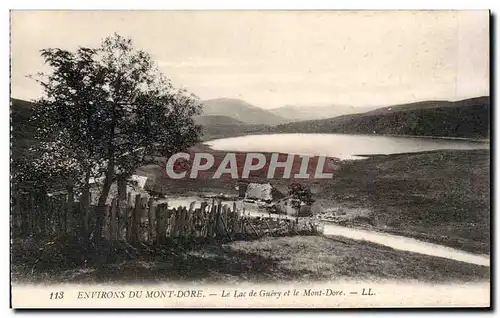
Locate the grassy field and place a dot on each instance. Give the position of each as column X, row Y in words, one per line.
column 271, row 259
column 438, row 196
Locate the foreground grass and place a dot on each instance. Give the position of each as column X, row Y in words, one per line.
column 272, row 259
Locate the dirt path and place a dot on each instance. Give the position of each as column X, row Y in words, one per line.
column 402, row 243
column 407, row 244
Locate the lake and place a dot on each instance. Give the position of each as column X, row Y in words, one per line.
column 339, row 145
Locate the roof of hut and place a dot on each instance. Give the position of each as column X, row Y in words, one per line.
column 262, row 191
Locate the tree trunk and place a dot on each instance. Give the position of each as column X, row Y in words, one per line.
column 110, row 173
column 101, row 204
column 122, row 206
column 85, row 207
column 69, row 209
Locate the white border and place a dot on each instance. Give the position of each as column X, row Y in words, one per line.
column 256, row 4
column 189, row 4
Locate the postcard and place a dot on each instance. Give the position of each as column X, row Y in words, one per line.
column 250, row 159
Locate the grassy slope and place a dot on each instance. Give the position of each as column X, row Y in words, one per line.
column 299, row 258
column 217, row 131
column 22, row 130
column 441, row 196
column 467, row 119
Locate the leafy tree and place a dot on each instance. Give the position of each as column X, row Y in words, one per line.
column 111, row 111
column 299, row 194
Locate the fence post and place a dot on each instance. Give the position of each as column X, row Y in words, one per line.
column 35, row 210
column 203, row 206
column 31, row 215
column 150, row 219
column 122, row 216
column 177, row 221
column 88, row 207
column 235, row 220
column 112, row 223
column 62, row 215
column 69, row 211
column 225, row 227
column 121, row 185
column 182, row 222
column 190, row 219
column 200, row 219
column 203, row 221
column 161, row 216
column 135, row 219
column 129, row 211
column 20, row 226
column 209, row 221
column 85, row 200
column 44, row 206
column 218, row 225
column 184, row 219
column 50, row 219
column 25, row 216
column 14, row 214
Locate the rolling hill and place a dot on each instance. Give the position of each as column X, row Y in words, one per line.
column 293, row 113
column 467, row 118
column 215, row 127
column 216, row 120
column 240, row 110
column 22, row 130
column 431, row 104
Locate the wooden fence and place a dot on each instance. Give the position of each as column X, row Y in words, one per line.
column 142, row 219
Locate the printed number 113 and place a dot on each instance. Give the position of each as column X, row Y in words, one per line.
column 57, row 295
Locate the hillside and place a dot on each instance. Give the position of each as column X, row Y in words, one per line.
column 240, row 110
column 293, row 113
column 466, row 118
column 214, row 120
column 431, row 104
column 215, row 126
column 22, row 130
column 227, row 127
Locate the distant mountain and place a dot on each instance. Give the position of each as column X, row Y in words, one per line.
column 215, row 127
column 293, row 113
column 240, row 110
column 467, row 118
column 215, row 120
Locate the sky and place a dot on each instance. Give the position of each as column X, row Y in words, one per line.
column 276, row 58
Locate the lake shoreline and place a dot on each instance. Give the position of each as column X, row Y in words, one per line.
column 341, row 146
column 479, row 140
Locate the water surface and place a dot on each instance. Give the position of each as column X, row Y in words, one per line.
column 339, row 145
